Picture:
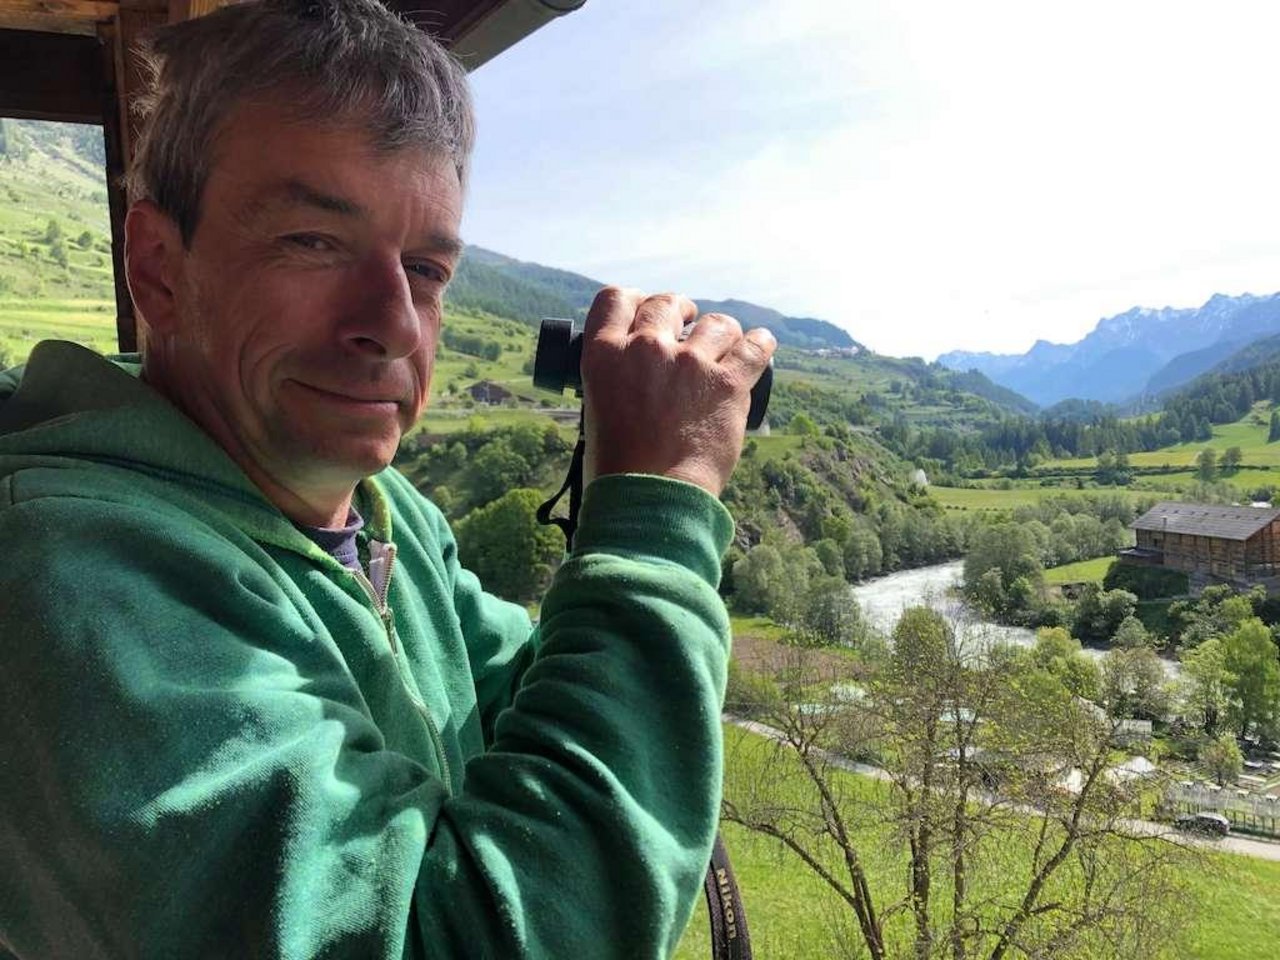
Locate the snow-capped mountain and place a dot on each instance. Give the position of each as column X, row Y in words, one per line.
column 1140, row 351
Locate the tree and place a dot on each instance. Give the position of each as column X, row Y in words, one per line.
column 1099, row 613
column 503, row 544
column 990, row 858
column 830, row 617
column 758, row 579
column 1206, row 684
column 1274, row 433
column 831, row 556
column 776, row 580
column 1131, row 634
column 862, row 554
column 494, row 470
column 1134, row 684
column 52, row 231
column 1219, row 611
column 1221, row 759
column 1113, row 468
column 1253, row 692
column 1061, row 655
column 1231, row 459
column 1206, row 465
column 803, row 425
column 1011, row 552
column 85, row 240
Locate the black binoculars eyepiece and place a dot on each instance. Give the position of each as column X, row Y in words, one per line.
column 557, row 364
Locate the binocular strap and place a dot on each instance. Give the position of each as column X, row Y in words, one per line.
column 573, row 486
column 729, row 937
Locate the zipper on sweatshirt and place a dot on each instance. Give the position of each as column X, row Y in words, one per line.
column 377, row 586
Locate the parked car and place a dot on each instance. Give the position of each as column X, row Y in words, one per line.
column 1213, row 824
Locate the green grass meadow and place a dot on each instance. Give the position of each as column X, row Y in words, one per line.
column 794, row 916
column 1083, row 571
column 1249, row 433
column 24, row 323
column 995, row 498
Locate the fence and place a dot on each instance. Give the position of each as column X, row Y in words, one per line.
column 1248, row 812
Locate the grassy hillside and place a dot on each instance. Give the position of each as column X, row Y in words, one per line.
column 55, row 250
column 52, row 198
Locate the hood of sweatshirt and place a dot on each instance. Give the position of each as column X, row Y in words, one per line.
column 70, row 407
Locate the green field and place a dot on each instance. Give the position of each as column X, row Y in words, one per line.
column 24, row 323
column 1083, row 571
column 992, row 498
column 1236, row 900
column 1249, row 433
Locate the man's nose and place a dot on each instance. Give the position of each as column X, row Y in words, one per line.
column 384, row 319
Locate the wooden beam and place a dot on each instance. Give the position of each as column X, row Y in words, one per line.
column 50, row 76
column 180, row 10
column 56, row 16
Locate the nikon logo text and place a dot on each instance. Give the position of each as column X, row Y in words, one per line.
column 726, row 903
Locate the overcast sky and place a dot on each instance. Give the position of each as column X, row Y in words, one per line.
column 927, row 175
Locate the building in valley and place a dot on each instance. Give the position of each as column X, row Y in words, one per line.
column 1210, row 543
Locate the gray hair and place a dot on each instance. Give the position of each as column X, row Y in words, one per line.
column 345, row 61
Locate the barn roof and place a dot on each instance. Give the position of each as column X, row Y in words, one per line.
column 1206, row 519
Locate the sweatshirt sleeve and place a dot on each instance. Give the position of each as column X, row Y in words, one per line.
column 190, row 772
column 590, row 820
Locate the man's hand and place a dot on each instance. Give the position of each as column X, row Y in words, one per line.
column 660, row 405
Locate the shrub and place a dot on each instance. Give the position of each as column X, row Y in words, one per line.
column 1146, row 583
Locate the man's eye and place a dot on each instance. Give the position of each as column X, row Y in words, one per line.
column 428, row 271
column 310, row 241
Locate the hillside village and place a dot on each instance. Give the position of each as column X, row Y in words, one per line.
column 1129, row 535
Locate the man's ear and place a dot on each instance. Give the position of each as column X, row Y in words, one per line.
column 153, row 256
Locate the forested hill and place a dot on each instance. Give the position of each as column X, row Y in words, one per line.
column 528, row 292
column 1228, row 392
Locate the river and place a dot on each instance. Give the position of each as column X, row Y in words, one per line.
column 884, row 598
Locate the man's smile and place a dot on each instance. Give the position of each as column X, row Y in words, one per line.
column 353, row 396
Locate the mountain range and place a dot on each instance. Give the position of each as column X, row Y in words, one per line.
column 1133, row 357
column 530, row 291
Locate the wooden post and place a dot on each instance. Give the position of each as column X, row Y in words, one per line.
column 115, row 139
column 122, row 80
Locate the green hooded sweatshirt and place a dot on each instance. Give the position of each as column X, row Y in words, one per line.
column 218, row 742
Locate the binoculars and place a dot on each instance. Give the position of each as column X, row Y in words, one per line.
column 557, row 363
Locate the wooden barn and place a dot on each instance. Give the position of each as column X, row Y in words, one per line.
column 1238, row 545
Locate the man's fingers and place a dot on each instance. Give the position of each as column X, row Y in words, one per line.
column 612, row 311
column 714, row 336
column 663, row 314
column 750, row 355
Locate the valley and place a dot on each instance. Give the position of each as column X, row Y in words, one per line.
column 940, row 476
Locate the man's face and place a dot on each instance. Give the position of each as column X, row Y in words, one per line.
column 310, row 299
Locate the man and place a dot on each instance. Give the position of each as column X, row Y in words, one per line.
column 252, row 706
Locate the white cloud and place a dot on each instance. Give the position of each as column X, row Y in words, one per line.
column 928, row 175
